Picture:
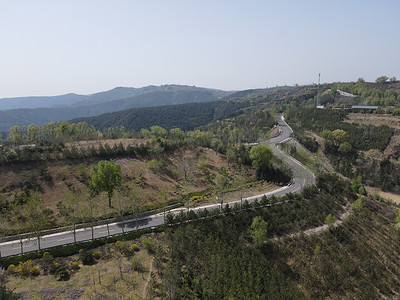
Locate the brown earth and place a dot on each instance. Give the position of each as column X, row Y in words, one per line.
column 388, row 196
column 54, row 180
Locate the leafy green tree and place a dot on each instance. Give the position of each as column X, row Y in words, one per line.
column 330, row 220
column 382, row 79
column 357, row 205
column 345, row 148
column 158, row 132
column 261, row 156
column 35, row 218
column 144, row 133
column 258, row 230
column 33, row 132
column 14, row 134
column 106, row 177
column 339, row 136
column 177, row 133
column 393, row 79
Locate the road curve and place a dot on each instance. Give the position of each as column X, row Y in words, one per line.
column 302, row 177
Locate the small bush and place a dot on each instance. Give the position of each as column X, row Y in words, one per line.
column 123, row 247
column 75, row 266
column 96, row 254
column 55, row 266
column 63, row 172
column 330, row 219
column 156, row 164
column 137, row 264
column 204, row 166
column 46, row 261
column 357, row 205
column 86, row 257
column 176, row 174
column 62, row 273
column 34, row 271
column 148, row 244
column 24, row 268
column 134, row 247
column 47, row 211
column 11, row 268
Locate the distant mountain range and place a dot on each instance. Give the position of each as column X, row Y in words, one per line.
column 187, row 116
column 40, row 110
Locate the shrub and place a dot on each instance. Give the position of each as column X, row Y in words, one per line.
column 86, row 257
column 357, row 205
column 156, row 164
column 176, row 174
column 137, row 264
column 55, row 266
column 330, row 219
column 75, row 265
column 204, row 166
column 63, row 172
column 7, row 294
column 24, row 268
column 82, row 172
column 148, row 244
column 47, row 211
column 11, row 268
column 123, row 247
column 34, row 271
column 96, row 254
column 134, row 247
column 62, row 273
column 47, row 256
column 264, row 200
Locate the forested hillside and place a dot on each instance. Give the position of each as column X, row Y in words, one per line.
column 349, row 146
column 185, row 116
column 250, row 254
column 40, row 110
column 330, row 241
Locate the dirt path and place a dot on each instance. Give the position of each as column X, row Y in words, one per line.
column 390, row 196
column 319, row 229
column 143, row 294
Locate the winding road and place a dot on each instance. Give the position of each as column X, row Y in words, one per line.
column 302, row 177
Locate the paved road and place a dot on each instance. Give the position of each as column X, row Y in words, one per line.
column 301, row 177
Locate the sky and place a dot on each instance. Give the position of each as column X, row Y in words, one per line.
column 87, row 46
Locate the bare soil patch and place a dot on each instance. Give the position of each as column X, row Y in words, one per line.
column 54, row 180
column 390, row 196
column 374, row 119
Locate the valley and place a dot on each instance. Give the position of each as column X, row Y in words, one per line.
column 195, row 207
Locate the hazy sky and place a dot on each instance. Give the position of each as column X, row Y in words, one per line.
column 85, row 46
